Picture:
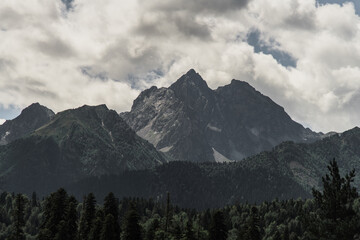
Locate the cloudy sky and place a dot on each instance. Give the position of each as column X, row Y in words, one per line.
column 304, row 54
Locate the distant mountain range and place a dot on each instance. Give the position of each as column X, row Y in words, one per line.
column 263, row 153
column 191, row 122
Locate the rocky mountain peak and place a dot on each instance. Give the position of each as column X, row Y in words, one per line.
column 30, row 119
column 190, row 85
column 33, row 110
column 189, row 121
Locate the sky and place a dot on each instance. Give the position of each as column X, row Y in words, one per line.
column 304, row 54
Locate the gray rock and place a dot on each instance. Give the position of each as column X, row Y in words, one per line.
column 191, row 122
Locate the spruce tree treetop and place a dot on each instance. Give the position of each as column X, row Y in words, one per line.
column 336, row 216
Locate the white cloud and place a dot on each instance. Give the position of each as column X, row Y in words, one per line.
column 107, row 51
column 2, row 121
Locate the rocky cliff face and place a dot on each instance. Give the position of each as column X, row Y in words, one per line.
column 30, row 119
column 191, row 122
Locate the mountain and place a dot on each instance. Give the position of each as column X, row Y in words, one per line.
column 307, row 163
column 191, row 122
column 77, row 143
column 30, row 119
column 289, row 170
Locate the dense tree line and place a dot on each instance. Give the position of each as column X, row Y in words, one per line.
column 333, row 213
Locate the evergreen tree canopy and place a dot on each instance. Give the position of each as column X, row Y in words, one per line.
column 337, row 219
column 88, row 216
column 132, row 229
column 18, row 218
column 218, row 229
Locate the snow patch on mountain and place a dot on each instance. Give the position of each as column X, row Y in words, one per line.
column 166, row 149
column 220, row 158
column 255, row 131
column 3, row 139
column 213, row 128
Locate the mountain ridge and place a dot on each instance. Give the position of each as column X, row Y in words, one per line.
column 76, row 143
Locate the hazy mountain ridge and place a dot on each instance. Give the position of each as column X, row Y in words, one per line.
column 189, row 121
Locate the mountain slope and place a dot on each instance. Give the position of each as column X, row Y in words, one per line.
column 289, row 170
column 307, row 163
column 191, row 185
column 78, row 143
column 31, row 118
column 189, row 121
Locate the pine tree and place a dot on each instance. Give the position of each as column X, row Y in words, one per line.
column 132, row 230
column 71, row 219
column 189, row 233
column 150, row 235
column 87, row 217
column 111, row 207
column 108, row 231
column 218, row 230
column 98, row 223
column 67, row 228
column 54, row 212
column 336, row 216
column 18, row 218
column 34, row 202
column 285, row 235
column 252, row 228
column 167, row 213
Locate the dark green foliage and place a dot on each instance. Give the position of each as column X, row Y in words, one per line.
column 18, row 218
column 111, row 207
column 108, row 231
column 192, row 186
column 218, row 229
column 34, row 201
column 87, row 216
column 336, row 216
column 60, row 217
column 189, row 232
column 132, row 230
column 154, row 226
column 57, row 217
column 252, row 231
column 97, row 226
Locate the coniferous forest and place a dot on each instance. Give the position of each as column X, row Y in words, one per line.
column 332, row 213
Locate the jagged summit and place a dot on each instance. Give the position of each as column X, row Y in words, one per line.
column 35, row 108
column 30, row 118
column 189, row 121
column 190, row 84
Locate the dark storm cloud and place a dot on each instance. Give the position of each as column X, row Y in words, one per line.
column 213, row 6
column 181, row 16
